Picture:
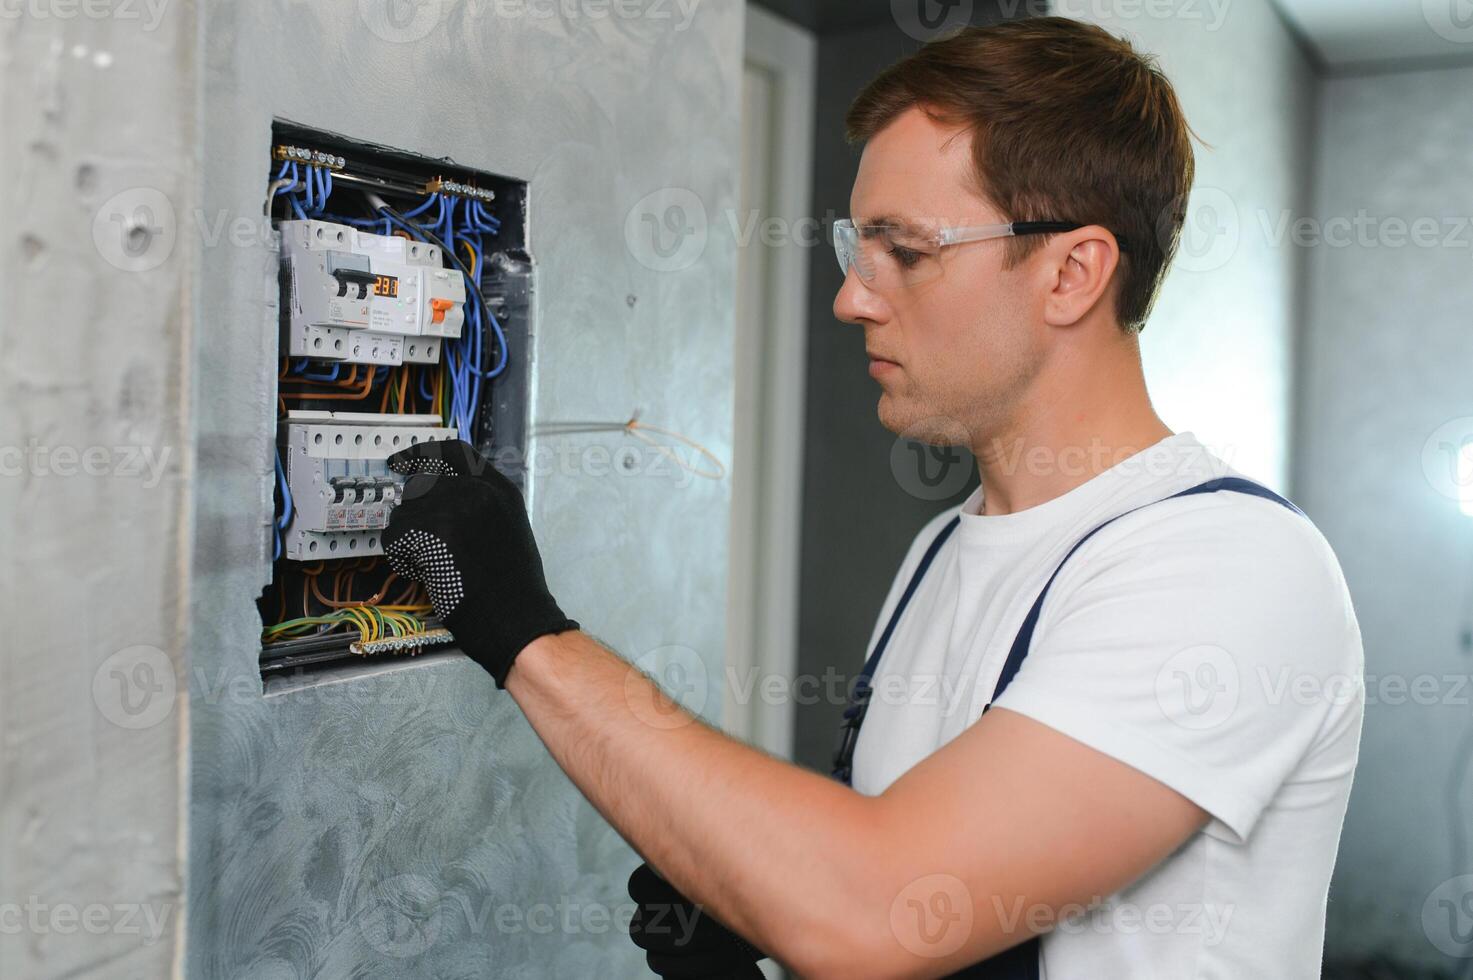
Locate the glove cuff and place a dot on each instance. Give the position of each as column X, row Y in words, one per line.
column 494, row 640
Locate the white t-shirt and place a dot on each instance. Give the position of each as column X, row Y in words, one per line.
column 1207, row 641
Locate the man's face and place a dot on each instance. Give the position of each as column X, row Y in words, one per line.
column 955, row 352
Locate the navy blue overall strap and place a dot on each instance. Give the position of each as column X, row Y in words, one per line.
column 859, row 698
column 905, row 597
column 1021, row 961
column 1025, row 634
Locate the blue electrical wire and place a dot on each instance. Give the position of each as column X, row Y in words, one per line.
column 462, row 356
column 461, row 408
column 336, row 372
column 421, row 209
column 286, row 493
column 286, row 509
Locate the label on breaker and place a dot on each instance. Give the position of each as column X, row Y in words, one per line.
column 348, row 313
column 378, row 349
column 386, row 319
column 357, row 517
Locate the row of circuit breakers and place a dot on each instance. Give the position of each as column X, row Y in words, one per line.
column 357, row 298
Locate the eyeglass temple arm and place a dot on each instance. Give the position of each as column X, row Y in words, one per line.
column 1054, row 227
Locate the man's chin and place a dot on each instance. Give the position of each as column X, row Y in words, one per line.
column 918, row 425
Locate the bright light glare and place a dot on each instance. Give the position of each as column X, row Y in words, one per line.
column 1465, row 479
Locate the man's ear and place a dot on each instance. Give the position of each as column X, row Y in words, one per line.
column 1081, row 267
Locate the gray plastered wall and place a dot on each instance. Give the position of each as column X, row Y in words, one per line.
column 402, row 821
column 97, row 145
column 410, row 823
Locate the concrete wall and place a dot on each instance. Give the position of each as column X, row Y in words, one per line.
column 409, row 823
column 96, row 159
column 1385, row 392
column 1219, row 346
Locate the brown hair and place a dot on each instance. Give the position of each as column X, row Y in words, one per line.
column 1068, row 123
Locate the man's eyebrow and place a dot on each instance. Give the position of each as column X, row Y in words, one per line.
column 883, row 223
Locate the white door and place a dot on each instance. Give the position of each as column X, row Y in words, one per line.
column 776, row 233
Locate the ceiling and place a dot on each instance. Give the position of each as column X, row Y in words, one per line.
column 824, row 16
column 837, row 16
column 1346, row 34
column 1393, row 33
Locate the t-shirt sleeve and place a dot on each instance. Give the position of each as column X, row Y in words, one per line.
column 1208, row 642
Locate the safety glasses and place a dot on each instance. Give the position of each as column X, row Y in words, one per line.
column 892, row 255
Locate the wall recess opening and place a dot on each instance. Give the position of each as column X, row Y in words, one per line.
column 406, row 302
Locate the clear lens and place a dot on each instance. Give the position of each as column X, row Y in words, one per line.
column 887, row 257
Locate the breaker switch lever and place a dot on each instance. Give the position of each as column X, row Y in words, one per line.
column 346, row 277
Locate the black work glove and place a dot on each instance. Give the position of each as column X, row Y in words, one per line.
column 461, row 529
column 682, row 942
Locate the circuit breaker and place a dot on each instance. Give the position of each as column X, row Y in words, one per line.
column 363, row 298
column 341, row 487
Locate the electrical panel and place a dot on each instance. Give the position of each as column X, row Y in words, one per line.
column 406, row 292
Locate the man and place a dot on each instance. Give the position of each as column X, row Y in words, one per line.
column 1166, row 653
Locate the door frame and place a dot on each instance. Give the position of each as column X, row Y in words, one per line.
column 770, row 375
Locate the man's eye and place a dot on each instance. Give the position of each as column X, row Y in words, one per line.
column 907, row 257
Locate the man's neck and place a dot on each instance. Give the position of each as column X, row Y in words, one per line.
column 1070, row 428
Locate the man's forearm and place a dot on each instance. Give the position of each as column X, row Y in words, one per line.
column 766, row 846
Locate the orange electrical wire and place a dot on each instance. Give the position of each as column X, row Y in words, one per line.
column 350, row 382
column 374, row 600
column 355, row 395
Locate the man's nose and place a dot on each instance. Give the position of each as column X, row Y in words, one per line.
column 857, row 303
